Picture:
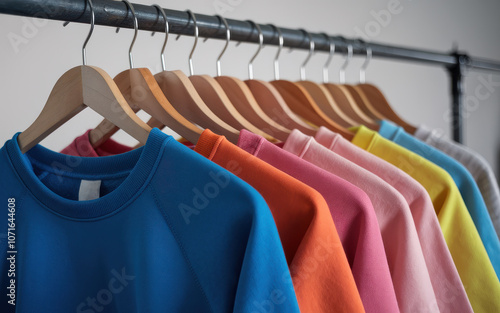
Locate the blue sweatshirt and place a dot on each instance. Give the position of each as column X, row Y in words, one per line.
column 462, row 178
column 157, row 229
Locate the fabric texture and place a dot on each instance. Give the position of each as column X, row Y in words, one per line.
column 462, row 178
column 475, row 163
column 465, row 245
column 354, row 219
column 320, row 272
column 134, row 249
column 406, row 261
column 443, row 273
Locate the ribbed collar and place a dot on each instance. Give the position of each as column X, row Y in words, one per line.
column 208, row 143
column 364, row 137
column 389, row 130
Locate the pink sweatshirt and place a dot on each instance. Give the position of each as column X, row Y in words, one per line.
column 410, row 276
column 354, row 218
column 445, row 279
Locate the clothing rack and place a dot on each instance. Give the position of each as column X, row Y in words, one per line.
column 115, row 13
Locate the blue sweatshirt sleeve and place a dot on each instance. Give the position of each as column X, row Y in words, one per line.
column 227, row 234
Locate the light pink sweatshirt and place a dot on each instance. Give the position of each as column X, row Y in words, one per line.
column 445, row 279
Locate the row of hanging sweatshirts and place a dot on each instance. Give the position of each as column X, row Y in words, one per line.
column 280, row 197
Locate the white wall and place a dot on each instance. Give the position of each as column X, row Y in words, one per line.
column 419, row 93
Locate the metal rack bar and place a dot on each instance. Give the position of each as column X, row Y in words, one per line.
column 115, row 13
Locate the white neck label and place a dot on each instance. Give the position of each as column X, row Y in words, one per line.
column 89, row 190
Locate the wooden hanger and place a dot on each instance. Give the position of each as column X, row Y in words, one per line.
column 344, row 102
column 241, row 96
column 353, row 99
column 183, row 95
column 380, row 103
column 301, row 102
column 375, row 99
column 141, row 90
column 216, row 99
column 81, row 87
column 362, row 101
column 322, row 96
column 269, row 99
column 273, row 104
column 180, row 91
column 327, row 103
column 243, row 100
column 344, row 98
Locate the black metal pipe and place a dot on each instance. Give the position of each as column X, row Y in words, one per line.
column 115, row 13
column 457, row 89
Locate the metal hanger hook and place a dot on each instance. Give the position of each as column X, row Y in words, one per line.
column 362, row 70
column 261, row 44
column 196, row 35
column 330, row 56
column 136, row 30
column 280, row 47
column 228, row 38
column 162, row 54
column 92, row 24
column 347, row 60
column 311, row 52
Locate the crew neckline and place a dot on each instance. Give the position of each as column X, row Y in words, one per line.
column 250, row 142
column 138, row 165
column 363, row 137
column 423, row 133
column 208, row 144
column 298, row 143
column 389, row 130
column 330, row 136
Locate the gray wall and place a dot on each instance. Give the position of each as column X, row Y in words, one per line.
column 419, row 93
